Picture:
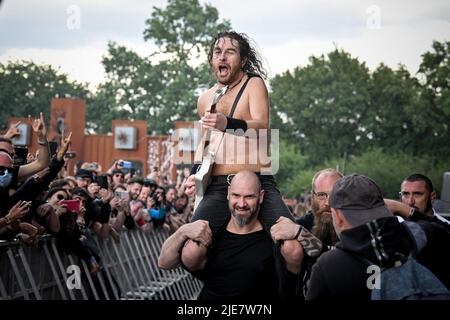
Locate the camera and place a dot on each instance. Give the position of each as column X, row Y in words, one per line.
column 20, row 157
column 125, row 164
column 102, row 181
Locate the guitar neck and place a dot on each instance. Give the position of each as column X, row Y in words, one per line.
column 208, row 131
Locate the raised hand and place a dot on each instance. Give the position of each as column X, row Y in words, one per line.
column 13, row 131
column 64, row 146
column 189, row 186
column 38, row 126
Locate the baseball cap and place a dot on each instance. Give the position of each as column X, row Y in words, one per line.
column 359, row 198
column 83, row 173
column 117, row 171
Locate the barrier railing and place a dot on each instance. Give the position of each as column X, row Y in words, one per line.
column 129, row 270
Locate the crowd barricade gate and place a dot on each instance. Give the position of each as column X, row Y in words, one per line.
column 129, row 270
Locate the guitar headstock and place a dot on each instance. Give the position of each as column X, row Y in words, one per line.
column 219, row 94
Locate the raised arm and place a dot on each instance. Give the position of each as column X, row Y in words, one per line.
column 43, row 158
column 170, row 255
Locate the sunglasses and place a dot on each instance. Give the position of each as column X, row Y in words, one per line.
column 60, row 197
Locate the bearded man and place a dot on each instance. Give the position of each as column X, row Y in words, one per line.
column 241, row 263
column 319, row 220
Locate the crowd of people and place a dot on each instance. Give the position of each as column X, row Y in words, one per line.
column 38, row 197
column 242, row 240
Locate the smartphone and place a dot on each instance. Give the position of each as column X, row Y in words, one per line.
column 20, row 157
column 121, row 194
column 126, row 164
column 91, row 166
column 102, row 181
column 72, row 205
column 53, row 147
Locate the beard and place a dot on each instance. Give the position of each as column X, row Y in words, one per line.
column 323, row 224
column 241, row 220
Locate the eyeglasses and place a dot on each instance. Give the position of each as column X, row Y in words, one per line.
column 321, row 195
column 118, row 175
column 406, row 195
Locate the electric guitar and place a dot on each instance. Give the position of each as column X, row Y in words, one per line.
column 203, row 175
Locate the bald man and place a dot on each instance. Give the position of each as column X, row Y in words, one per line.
column 241, row 263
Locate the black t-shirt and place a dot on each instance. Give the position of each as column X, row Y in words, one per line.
column 240, row 266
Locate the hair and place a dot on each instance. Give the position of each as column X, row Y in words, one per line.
column 52, row 191
column 421, row 177
column 253, row 64
column 59, row 183
column 136, row 180
column 328, row 172
column 81, row 192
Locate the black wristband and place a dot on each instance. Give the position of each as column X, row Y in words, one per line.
column 195, row 168
column 235, row 124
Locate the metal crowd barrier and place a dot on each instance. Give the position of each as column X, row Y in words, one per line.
column 128, row 271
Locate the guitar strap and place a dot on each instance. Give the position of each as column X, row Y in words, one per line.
column 233, row 108
column 239, row 95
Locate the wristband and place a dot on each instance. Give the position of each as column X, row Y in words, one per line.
column 43, row 143
column 235, row 124
column 7, row 219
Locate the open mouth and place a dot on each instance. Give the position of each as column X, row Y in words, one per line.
column 223, row 70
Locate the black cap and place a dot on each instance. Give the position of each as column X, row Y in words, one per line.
column 359, row 198
column 117, row 171
column 83, row 173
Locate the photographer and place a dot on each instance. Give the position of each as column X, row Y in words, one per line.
column 158, row 207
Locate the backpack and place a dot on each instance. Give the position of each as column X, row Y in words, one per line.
column 410, row 280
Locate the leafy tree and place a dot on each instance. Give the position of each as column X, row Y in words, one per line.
column 319, row 107
column 163, row 92
column 392, row 95
column 27, row 89
column 431, row 117
column 290, row 162
column 389, row 169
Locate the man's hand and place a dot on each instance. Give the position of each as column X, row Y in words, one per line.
column 44, row 210
column 284, row 229
column 13, row 131
column 398, row 208
column 215, row 120
column 105, row 194
column 19, row 210
column 64, row 146
column 189, row 186
column 197, row 231
column 38, row 126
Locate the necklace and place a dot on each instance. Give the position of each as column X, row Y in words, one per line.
column 236, row 84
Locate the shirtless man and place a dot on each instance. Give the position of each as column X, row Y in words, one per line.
column 237, row 65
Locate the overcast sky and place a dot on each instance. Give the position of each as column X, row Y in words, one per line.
column 286, row 31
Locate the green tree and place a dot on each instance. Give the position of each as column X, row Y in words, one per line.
column 27, row 89
column 392, row 95
column 320, row 107
column 389, row 169
column 290, row 162
column 163, row 92
column 431, row 117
